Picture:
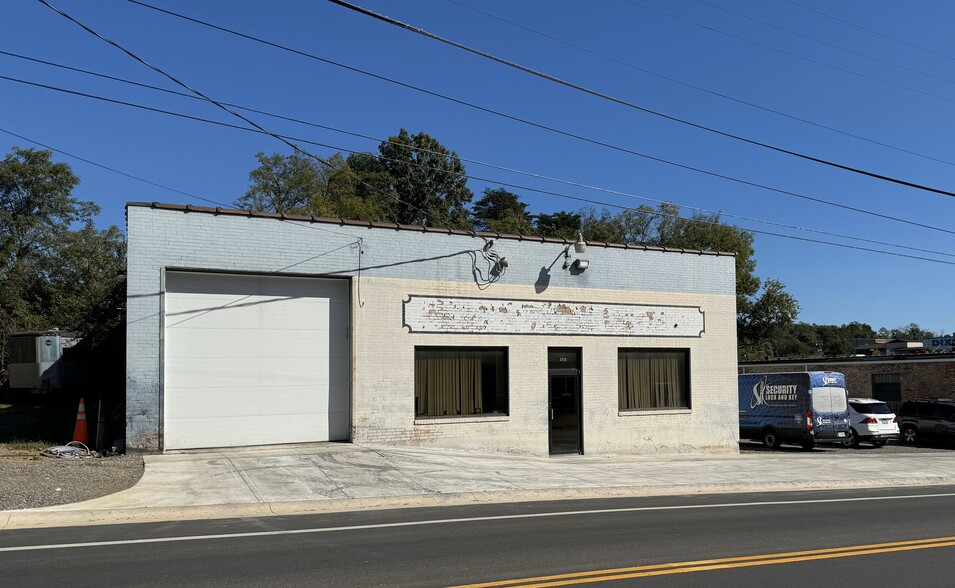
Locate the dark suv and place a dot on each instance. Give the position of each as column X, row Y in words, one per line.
column 927, row 418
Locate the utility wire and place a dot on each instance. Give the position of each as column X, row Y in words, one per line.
column 221, row 106
column 695, row 87
column 789, row 53
column 526, row 121
column 281, row 117
column 150, row 182
column 756, row 231
column 536, row 190
column 868, row 30
column 587, row 200
column 259, row 128
column 638, row 107
column 825, row 43
column 363, row 136
column 173, row 93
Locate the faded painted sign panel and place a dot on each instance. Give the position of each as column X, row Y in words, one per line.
column 439, row 314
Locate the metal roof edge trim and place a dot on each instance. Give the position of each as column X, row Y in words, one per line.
column 219, row 211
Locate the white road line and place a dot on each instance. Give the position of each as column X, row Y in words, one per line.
column 462, row 520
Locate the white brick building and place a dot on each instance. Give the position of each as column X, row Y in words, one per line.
column 248, row 329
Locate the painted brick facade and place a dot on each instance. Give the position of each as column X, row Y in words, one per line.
column 388, row 266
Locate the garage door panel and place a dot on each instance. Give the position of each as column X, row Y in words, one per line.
column 255, row 360
column 195, row 378
column 247, row 343
column 276, row 400
column 267, row 314
column 206, row 432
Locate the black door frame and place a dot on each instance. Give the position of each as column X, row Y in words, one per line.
column 572, row 369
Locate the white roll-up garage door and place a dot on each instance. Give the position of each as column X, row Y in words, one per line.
column 254, row 360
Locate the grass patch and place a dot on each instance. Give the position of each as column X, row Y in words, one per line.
column 26, row 445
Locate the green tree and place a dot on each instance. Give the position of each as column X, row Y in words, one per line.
column 559, row 225
column 603, row 226
column 796, row 341
column 762, row 308
column 910, row 332
column 502, row 211
column 36, row 211
column 282, row 183
column 370, row 183
column 762, row 311
column 52, row 274
column 427, row 182
column 803, row 340
column 85, row 294
column 298, row 184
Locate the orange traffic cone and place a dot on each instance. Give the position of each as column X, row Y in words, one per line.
column 81, row 431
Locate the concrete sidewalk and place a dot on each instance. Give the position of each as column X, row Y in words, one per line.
column 330, row 477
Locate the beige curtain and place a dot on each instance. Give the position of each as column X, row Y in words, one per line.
column 447, row 383
column 651, row 379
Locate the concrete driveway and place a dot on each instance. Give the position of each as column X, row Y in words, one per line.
column 324, row 477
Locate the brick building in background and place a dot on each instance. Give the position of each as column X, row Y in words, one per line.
column 891, row 378
column 253, row 329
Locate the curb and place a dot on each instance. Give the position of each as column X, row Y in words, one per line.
column 41, row 518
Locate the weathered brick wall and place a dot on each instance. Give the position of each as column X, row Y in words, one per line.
column 396, row 263
column 384, row 384
column 930, row 376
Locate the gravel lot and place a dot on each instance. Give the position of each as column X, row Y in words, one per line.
column 28, row 480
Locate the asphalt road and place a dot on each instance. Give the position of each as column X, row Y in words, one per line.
column 642, row 541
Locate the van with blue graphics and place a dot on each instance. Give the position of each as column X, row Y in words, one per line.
column 804, row 408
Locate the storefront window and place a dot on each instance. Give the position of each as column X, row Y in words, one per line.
column 653, row 378
column 460, row 381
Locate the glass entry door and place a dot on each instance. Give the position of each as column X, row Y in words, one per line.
column 564, row 414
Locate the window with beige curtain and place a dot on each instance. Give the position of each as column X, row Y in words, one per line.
column 460, row 381
column 653, row 378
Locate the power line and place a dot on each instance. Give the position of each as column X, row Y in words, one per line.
column 790, row 54
column 698, row 88
column 757, row 231
column 274, row 115
column 635, row 106
column 351, row 133
column 221, row 106
column 260, row 129
column 528, row 122
column 144, row 180
column 868, row 30
column 531, row 189
column 826, row 43
column 580, row 199
column 171, row 92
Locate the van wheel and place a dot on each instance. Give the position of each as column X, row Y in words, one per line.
column 851, row 440
column 771, row 439
column 909, row 434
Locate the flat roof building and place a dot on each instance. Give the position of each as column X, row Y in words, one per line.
column 253, row 328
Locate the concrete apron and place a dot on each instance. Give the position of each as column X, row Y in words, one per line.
column 336, row 477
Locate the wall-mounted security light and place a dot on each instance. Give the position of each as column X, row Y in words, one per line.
column 501, row 265
column 580, row 246
column 582, row 264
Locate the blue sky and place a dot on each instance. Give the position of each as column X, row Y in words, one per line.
column 900, row 94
